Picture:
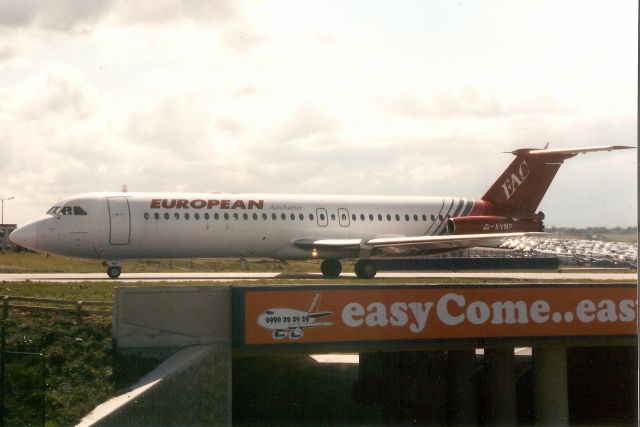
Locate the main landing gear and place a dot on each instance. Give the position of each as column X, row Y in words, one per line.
column 114, row 268
column 364, row 268
column 331, row 268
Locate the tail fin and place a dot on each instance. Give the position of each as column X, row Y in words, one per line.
column 524, row 183
column 315, row 303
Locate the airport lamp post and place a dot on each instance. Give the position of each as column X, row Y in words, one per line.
column 6, row 198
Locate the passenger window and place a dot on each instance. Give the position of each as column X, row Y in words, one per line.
column 301, row 216
column 370, row 217
column 388, row 217
column 433, row 217
column 311, row 217
column 235, row 215
column 379, row 217
column 293, row 217
column 146, row 215
column 424, row 218
column 397, row 217
column 283, row 216
column 226, row 216
column 156, row 215
column 77, row 210
column 406, row 217
column 186, row 216
column 361, row 217
column 415, row 217
column 206, row 216
column 321, row 217
column 274, row 217
column 440, row 218
column 264, row 216
column 255, row 216
column 166, row 215
column 216, row 216
column 176, row 215
column 353, row 217
column 196, row 216
column 245, row 216
column 333, row 217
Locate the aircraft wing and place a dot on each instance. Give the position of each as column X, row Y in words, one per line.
column 408, row 245
column 319, row 315
column 445, row 241
column 311, row 325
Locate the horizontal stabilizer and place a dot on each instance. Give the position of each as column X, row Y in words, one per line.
column 570, row 151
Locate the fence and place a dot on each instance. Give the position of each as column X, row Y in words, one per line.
column 79, row 308
column 22, row 375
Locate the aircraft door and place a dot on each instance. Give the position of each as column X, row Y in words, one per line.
column 119, row 221
column 343, row 217
column 322, row 217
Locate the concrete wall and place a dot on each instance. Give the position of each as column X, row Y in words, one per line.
column 192, row 325
column 169, row 318
column 193, row 387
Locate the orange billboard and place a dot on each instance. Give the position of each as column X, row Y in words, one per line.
column 334, row 314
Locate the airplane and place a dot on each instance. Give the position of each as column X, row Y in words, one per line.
column 119, row 226
column 290, row 322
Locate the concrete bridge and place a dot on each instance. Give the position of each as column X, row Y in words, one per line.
column 418, row 347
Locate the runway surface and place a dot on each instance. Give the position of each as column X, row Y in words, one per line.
column 244, row 276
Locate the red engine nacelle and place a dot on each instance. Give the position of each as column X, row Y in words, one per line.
column 492, row 224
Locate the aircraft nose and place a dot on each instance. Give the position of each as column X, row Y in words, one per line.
column 25, row 236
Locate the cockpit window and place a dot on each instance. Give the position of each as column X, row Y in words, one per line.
column 53, row 210
column 67, row 210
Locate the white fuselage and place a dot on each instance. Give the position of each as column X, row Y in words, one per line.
column 121, row 226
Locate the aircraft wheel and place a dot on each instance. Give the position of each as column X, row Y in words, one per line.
column 114, row 272
column 365, row 269
column 331, row 268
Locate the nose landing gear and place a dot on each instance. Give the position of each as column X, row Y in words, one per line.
column 114, row 268
column 114, row 272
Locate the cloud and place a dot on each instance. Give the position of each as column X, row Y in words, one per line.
column 164, row 11
column 69, row 16
column 232, row 126
column 306, row 120
column 325, row 39
column 59, row 90
column 468, row 101
column 6, row 53
column 173, row 126
column 18, row 13
column 220, row 95
column 223, row 17
column 242, row 39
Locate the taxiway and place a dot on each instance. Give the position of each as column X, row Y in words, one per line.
column 240, row 276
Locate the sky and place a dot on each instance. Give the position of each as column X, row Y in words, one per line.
column 316, row 97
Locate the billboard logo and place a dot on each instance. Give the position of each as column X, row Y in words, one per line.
column 290, row 322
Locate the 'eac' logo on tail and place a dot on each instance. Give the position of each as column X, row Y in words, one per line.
column 516, row 180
